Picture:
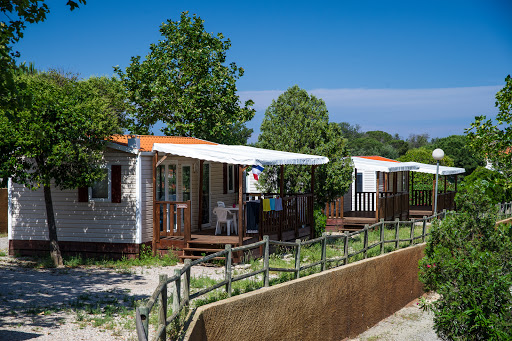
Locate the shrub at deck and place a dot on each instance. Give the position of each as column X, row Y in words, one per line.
column 469, row 263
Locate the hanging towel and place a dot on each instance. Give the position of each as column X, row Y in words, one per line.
column 253, row 216
column 266, row 205
column 279, row 204
column 272, row 204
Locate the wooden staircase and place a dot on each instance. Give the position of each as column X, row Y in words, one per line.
column 196, row 249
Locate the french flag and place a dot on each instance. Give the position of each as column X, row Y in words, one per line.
column 256, row 170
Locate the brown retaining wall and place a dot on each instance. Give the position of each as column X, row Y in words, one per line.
column 332, row 305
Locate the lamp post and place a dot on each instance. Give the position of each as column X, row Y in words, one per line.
column 437, row 154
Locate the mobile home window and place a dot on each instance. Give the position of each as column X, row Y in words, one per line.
column 231, row 178
column 359, row 187
column 100, row 190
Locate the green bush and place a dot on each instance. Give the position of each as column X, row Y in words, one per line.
column 320, row 221
column 496, row 188
column 468, row 261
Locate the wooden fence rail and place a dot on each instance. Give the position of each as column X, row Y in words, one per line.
column 180, row 282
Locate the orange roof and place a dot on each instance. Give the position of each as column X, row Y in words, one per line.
column 146, row 141
column 378, row 158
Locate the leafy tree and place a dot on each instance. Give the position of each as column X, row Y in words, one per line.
column 399, row 145
column 56, row 135
column 456, row 147
column 493, row 141
column 18, row 13
column 185, row 83
column 299, row 122
column 350, row 131
column 468, row 261
column 417, row 140
column 493, row 184
column 379, row 135
column 366, row 145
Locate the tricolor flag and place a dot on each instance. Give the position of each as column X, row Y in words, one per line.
column 256, row 170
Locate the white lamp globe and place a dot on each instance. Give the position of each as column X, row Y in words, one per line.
column 438, row 154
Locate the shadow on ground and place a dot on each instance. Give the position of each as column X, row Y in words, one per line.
column 33, row 296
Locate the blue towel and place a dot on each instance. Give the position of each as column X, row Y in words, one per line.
column 279, row 204
column 272, row 204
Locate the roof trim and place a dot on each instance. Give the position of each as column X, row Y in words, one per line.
column 241, row 155
column 443, row 170
column 122, row 148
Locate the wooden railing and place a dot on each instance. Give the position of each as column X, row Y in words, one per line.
column 297, row 213
column 171, row 218
column 395, row 205
column 347, row 246
column 421, row 197
column 334, row 209
column 364, row 201
column 446, row 201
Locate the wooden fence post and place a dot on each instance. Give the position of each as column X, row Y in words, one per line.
column 345, row 248
column 381, row 236
column 186, row 286
column 297, row 258
column 266, row 258
column 412, row 232
column 397, row 233
column 144, row 315
column 176, row 292
column 424, row 228
column 324, row 250
column 365, row 245
column 162, row 314
column 227, row 274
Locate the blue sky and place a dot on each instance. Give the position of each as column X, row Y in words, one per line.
column 406, row 67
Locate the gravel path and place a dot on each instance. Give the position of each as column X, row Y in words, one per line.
column 408, row 324
column 66, row 304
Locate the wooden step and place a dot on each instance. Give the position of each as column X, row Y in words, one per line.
column 197, row 257
column 194, row 249
column 210, row 242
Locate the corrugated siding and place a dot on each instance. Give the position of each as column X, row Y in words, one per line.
column 79, row 221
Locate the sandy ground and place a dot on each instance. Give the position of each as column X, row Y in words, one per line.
column 42, row 304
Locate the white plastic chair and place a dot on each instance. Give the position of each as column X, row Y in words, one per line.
column 221, row 204
column 222, row 218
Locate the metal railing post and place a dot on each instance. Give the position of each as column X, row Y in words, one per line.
column 162, row 314
column 324, row 250
column 297, row 258
column 227, row 274
column 266, row 261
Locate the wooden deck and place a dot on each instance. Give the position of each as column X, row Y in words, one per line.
column 352, row 220
column 420, row 211
column 206, row 242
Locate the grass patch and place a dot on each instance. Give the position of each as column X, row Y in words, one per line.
column 145, row 258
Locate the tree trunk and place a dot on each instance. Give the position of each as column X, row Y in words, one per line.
column 52, row 228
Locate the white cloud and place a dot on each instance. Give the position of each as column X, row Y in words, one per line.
column 438, row 112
